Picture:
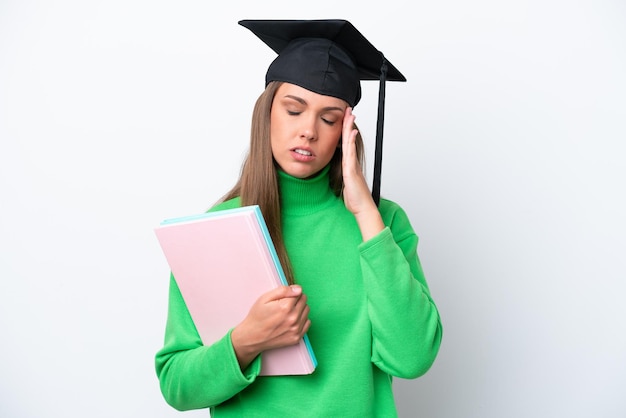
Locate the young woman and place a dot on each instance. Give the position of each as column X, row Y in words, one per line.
column 357, row 288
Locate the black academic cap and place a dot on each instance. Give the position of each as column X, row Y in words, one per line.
column 329, row 57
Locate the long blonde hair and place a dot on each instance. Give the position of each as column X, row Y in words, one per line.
column 258, row 180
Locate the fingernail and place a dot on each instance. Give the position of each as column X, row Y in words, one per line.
column 296, row 289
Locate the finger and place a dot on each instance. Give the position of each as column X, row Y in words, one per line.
column 303, row 322
column 348, row 127
column 301, row 307
column 282, row 292
column 349, row 160
column 304, row 316
column 306, row 327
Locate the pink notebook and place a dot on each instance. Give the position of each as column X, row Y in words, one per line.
column 222, row 262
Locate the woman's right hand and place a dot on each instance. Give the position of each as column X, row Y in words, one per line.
column 278, row 318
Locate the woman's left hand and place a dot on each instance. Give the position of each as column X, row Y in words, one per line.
column 356, row 195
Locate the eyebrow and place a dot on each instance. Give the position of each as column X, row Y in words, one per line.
column 302, row 101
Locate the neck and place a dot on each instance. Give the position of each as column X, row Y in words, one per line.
column 304, row 196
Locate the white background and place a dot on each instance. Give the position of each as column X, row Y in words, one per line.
column 505, row 146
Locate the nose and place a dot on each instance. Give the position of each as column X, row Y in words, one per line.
column 308, row 130
column 308, row 135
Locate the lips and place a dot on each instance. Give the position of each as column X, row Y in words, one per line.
column 303, row 155
column 302, row 152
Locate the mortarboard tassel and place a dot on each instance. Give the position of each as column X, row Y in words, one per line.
column 378, row 153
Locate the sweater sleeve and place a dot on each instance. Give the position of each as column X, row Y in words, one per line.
column 406, row 327
column 194, row 376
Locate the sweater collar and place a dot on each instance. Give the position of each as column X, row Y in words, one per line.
column 305, row 196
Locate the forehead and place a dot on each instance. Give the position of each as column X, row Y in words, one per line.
column 293, row 91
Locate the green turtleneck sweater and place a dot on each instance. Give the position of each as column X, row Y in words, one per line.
column 371, row 315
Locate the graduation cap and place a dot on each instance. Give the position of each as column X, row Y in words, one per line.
column 329, row 57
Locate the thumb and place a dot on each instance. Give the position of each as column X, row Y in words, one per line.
column 282, row 292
